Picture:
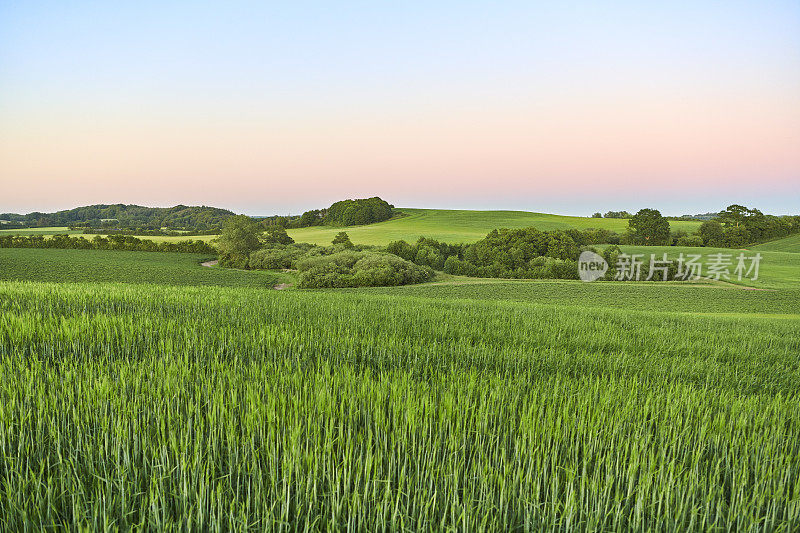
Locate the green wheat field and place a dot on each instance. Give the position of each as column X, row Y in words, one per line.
column 186, row 397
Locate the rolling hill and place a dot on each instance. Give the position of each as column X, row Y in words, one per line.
column 787, row 244
column 455, row 226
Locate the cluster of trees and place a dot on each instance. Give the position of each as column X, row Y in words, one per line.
column 342, row 213
column 242, row 235
column 735, row 227
column 358, row 212
column 505, row 253
column 351, row 268
column 114, row 242
column 614, row 214
column 197, row 218
column 243, row 245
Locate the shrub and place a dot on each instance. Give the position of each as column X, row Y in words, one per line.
column 359, row 269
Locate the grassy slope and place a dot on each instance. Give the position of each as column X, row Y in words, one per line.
column 33, row 264
column 459, row 226
column 788, row 244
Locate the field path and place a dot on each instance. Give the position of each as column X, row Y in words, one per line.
column 215, row 262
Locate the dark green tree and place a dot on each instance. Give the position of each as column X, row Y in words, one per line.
column 736, row 236
column 276, row 235
column 240, row 236
column 649, row 227
column 343, row 238
column 712, row 233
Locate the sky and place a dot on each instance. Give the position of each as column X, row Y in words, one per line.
column 278, row 107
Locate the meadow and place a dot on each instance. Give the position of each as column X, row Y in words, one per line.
column 461, row 226
column 203, row 408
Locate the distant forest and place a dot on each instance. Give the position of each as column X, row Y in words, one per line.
column 139, row 220
column 342, row 213
column 121, row 216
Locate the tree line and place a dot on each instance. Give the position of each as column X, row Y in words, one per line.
column 122, row 216
column 113, row 242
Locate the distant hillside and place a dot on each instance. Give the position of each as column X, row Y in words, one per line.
column 787, row 244
column 462, row 226
column 124, row 216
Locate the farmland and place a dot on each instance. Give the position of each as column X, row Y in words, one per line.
column 198, row 398
column 150, row 405
column 40, row 231
column 776, row 269
column 33, row 264
column 673, row 297
column 460, row 226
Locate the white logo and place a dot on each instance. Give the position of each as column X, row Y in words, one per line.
column 591, row 266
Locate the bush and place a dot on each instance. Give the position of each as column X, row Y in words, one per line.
column 690, row 240
column 359, row 269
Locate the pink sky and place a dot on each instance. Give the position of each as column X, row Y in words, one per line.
column 674, row 127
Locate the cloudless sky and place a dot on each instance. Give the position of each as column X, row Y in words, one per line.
column 267, row 107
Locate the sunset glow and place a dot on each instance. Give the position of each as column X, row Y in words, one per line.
column 269, row 110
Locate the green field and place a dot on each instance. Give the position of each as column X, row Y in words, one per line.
column 776, row 269
column 41, row 231
column 460, row 226
column 672, row 297
column 788, row 244
column 35, row 264
column 185, row 396
column 147, row 406
column 45, row 232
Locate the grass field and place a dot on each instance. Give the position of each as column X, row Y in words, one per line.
column 41, row 231
column 127, row 267
column 153, row 406
column 455, row 226
column 789, row 244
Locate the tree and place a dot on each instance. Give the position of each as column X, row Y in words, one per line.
column 649, row 227
column 597, row 215
column 734, row 215
column 343, row 238
column 712, row 233
column 276, row 234
column 736, row 236
column 240, row 236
